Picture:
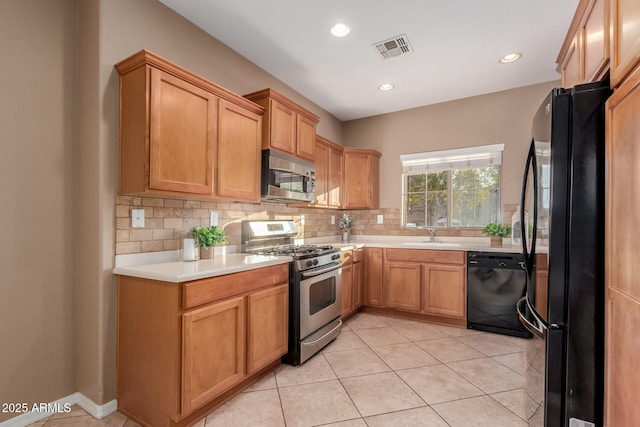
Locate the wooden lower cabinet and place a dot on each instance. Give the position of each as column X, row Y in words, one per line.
column 213, row 333
column 444, row 290
column 357, row 284
column 185, row 348
column 267, row 326
column 401, row 283
column 347, row 290
column 424, row 284
column 372, row 281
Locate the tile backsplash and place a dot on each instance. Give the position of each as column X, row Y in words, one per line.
column 168, row 220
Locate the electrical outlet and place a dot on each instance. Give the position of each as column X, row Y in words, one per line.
column 213, row 218
column 301, row 219
column 137, row 218
column 380, row 219
column 333, row 220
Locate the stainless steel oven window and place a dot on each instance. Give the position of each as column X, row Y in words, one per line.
column 322, row 295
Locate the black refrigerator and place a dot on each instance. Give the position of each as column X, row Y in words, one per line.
column 562, row 216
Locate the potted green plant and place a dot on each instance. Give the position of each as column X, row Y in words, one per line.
column 497, row 232
column 208, row 237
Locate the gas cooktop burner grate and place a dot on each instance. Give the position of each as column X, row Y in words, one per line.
column 299, row 250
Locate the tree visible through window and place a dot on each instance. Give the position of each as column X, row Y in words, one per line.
column 451, row 197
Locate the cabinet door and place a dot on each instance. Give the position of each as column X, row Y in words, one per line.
column 322, row 174
column 334, row 183
column 267, row 326
column 238, row 155
column 402, row 285
column 347, row 289
column 622, row 251
column 625, row 46
column 357, row 182
column 182, row 135
column 373, row 277
column 357, row 285
column 595, row 40
column 444, row 290
column 305, row 137
column 570, row 67
column 283, row 127
column 213, row 351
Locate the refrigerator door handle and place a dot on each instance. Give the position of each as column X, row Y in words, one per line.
column 538, row 329
column 530, row 165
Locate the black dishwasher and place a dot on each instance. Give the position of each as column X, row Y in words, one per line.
column 495, row 283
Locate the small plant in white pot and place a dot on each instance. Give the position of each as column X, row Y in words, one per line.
column 345, row 223
column 497, row 232
column 208, row 237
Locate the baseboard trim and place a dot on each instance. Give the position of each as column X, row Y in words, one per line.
column 95, row 410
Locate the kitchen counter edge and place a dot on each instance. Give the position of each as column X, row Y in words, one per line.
column 182, row 271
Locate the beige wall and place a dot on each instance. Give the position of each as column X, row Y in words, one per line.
column 37, row 130
column 501, row 117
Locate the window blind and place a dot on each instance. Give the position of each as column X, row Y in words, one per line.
column 458, row 158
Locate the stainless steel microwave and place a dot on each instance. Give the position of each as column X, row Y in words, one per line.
column 286, row 178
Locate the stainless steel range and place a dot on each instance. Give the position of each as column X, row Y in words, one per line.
column 315, row 280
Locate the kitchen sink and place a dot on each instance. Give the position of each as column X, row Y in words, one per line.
column 433, row 244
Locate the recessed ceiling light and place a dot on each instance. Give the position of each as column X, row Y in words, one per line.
column 386, row 86
column 511, row 57
column 340, row 30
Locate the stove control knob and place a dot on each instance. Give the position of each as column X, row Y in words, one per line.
column 309, row 263
column 335, row 256
column 315, row 262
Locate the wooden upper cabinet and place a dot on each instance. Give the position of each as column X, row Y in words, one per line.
column 329, row 172
column 238, row 154
column 174, row 134
column 361, row 179
column 625, row 43
column 287, row 126
column 183, row 132
column 570, row 67
column 282, row 129
column 584, row 56
column 305, row 137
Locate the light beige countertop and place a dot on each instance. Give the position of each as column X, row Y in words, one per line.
column 479, row 244
column 183, row 271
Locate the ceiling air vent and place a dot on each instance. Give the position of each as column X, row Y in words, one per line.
column 394, row 46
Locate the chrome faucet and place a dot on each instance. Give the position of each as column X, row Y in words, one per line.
column 432, row 235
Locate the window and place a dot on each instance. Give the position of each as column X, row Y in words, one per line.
column 452, row 188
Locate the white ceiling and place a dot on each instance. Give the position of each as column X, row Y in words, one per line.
column 456, row 43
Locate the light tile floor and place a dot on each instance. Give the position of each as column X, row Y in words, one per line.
column 381, row 371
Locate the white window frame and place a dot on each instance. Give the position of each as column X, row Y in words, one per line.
column 448, row 160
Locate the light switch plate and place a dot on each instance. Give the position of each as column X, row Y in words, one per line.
column 213, row 218
column 333, row 219
column 380, row 219
column 301, row 219
column 137, row 218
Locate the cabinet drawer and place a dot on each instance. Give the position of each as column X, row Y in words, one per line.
column 425, row 255
column 216, row 288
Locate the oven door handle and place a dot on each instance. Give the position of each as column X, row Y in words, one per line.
column 319, row 272
column 325, row 335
